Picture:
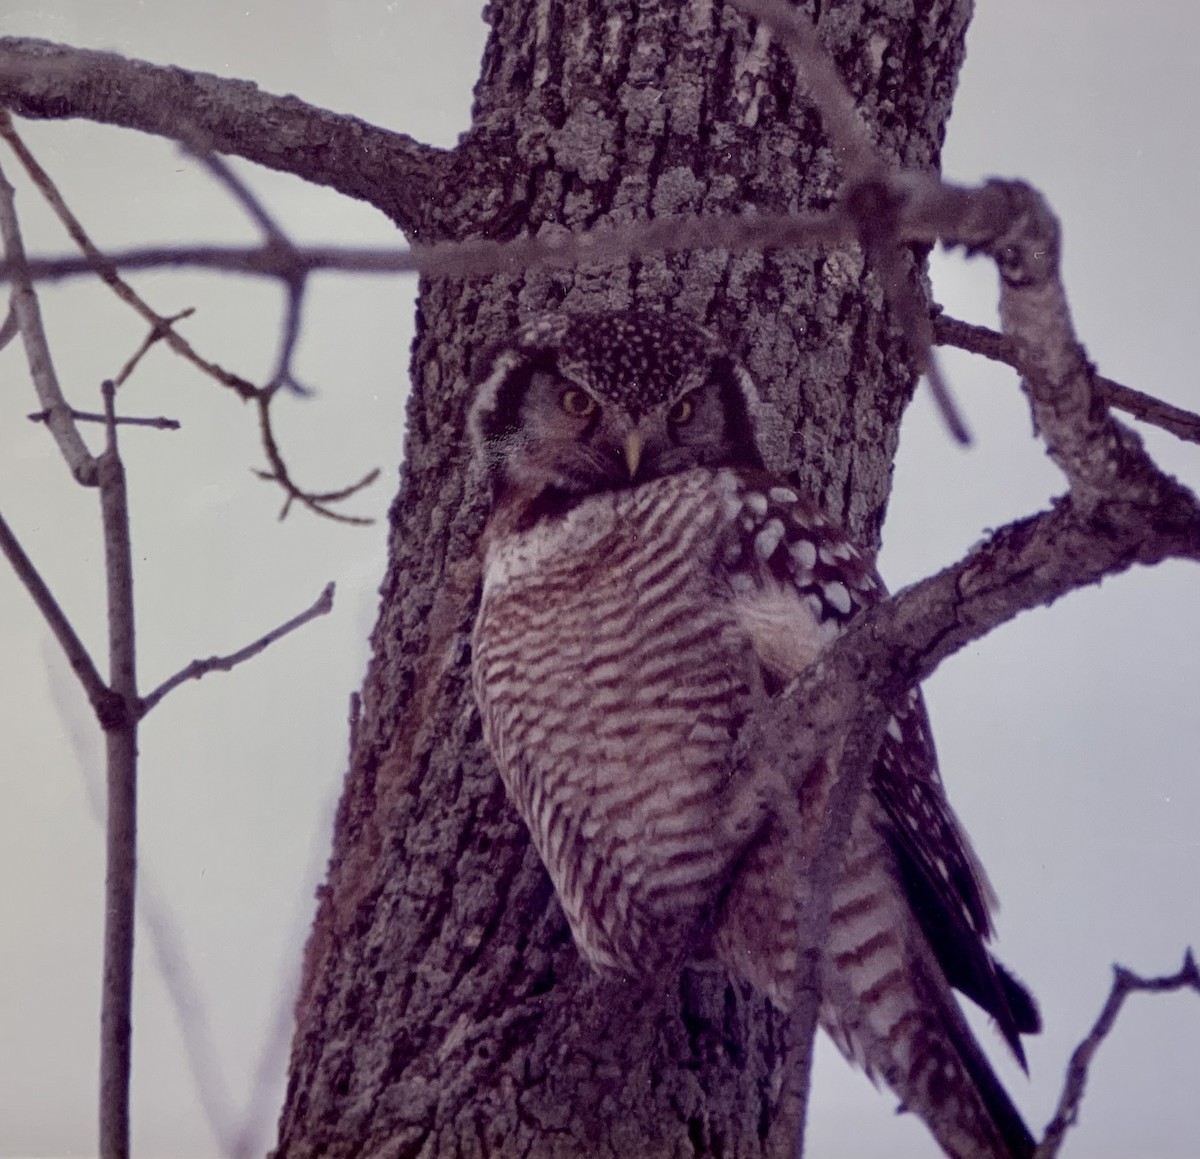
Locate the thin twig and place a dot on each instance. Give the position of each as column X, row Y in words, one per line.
column 996, row 346
column 285, row 262
column 10, row 327
column 283, row 374
column 97, row 691
column 24, row 305
column 83, row 416
column 198, row 668
column 480, row 257
column 316, row 502
column 157, row 333
column 294, row 282
column 95, row 261
column 221, row 170
column 1125, row 982
column 170, row 956
column 930, row 210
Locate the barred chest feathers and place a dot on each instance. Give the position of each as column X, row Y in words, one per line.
column 619, row 646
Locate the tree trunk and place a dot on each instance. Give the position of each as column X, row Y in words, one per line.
column 444, row 1009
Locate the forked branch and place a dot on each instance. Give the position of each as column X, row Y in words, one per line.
column 100, row 264
column 116, row 702
column 1125, row 983
column 292, row 273
column 1120, row 509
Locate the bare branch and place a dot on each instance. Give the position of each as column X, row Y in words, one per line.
column 554, row 249
column 927, row 212
column 1121, row 508
column 1102, row 460
column 198, row 668
column 276, row 239
column 257, row 261
column 897, row 644
column 97, row 691
column 399, row 175
column 83, row 416
column 1125, row 982
column 241, row 192
column 876, row 208
column 1144, row 407
column 24, row 305
column 162, row 328
column 283, row 375
column 291, row 271
column 120, row 876
column 158, row 331
column 315, row 502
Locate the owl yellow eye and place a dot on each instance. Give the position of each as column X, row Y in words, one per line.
column 682, row 411
column 578, row 403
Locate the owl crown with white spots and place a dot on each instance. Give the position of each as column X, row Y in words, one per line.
column 648, row 585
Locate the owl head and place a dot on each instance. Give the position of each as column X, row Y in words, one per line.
column 592, row 402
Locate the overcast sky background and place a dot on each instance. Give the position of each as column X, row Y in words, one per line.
column 1069, row 739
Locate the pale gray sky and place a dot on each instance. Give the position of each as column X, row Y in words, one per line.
column 1069, row 739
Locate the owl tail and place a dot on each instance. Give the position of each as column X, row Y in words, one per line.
column 885, row 1000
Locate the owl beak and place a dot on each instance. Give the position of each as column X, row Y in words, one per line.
column 633, row 451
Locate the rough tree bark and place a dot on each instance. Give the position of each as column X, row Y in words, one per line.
column 444, row 1009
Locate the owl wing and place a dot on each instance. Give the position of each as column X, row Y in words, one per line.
column 800, row 582
column 943, row 881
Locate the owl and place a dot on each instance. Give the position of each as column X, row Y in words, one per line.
column 648, row 585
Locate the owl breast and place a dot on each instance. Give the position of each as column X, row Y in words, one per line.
column 612, row 675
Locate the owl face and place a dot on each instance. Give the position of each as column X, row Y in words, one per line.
column 600, row 402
